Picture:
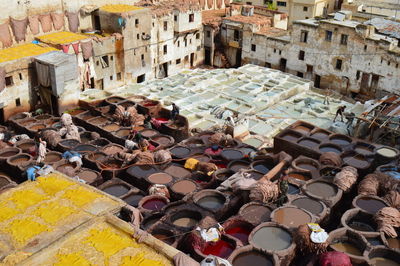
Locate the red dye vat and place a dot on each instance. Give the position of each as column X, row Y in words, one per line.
column 149, row 103
column 221, row 249
column 240, row 233
column 210, row 151
column 162, row 119
column 154, row 204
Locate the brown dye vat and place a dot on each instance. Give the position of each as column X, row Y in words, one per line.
column 89, row 176
column 19, row 159
column 384, row 257
column 291, row 137
column 8, row 152
column 122, row 133
column 43, row 117
column 291, row 217
column 364, row 148
column 347, row 247
column 322, row 189
column 272, row 238
column 86, row 116
column 177, row 171
column 184, row 187
column 27, row 122
column 255, row 213
column 98, row 120
column 19, row 116
column 66, row 168
column 26, row 146
column 101, row 142
column 303, row 129
column 195, row 142
column 330, row 148
column 231, row 154
column 37, row 127
column 141, row 171
column 4, row 181
column 112, row 149
column 163, row 140
column 313, row 206
column 359, row 221
column 357, row 161
column 223, row 174
column 160, row 178
column 97, row 156
column 148, row 133
column 235, row 166
column 186, row 218
column 393, row 242
column 298, row 176
column 180, row 152
column 114, row 99
column 52, row 157
column 369, row 204
column 201, row 158
column 309, row 143
column 252, row 257
column 341, row 140
column 111, row 127
column 164, row 235
column 69, row 143
column 76, row 112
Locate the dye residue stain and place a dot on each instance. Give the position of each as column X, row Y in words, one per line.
column 53, row 212
column 140, row 260
column 23, row 199
column 22, row 230
column 80, row 196
column 240, row 233
column 7, row 213
column 347, row 247
column 75, row 259
column 221, row 249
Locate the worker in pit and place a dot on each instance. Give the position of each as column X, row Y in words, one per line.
column 147, row 122
column 340, row 112
column 175, row 111
column 41, row 151
column 73, row 156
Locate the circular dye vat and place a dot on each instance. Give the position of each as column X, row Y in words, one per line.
column 184, row 187
column 180, row 152
column 302, row 129
column 112, row 149
column 235, row 166
column 26, row 146
column 375, row 241
column 261, row 167
column 387, row 152
column 308, row 204
column 69, row 143
column 88, row 175
column 340, row 140
column 357, row 161
column 122, row 133
column 361, row 225
column 160, row 178
column 393, row 242
column 322, row 189
column 85, row 148
column 148, row 133
column 211, row 202
column 271, row 238
column 230, row 154
column 255, row 175
column 291, row 217
column 111, row 127
column 186, row 218
column 177, row 171
column 116, row 190
column 163, row 140
column 18, row 159
column 307, row 166
column 154, row 204
column 298, row 176
column 239, row 232
column 309, row 143
column 256, row 213
column 98, row 120
column 370, row 205
column 293, row 190
column 253, row 257
column 133, row 199
column 150, row 220
column 347, row 247
column 8, row 152
column 291, row 137
column 141, row 171
column 166, row 237
column 330, row 148
column 220, row 248
column 321, row 135
column 364, row 148
column 253, row 142
column 381, row 261
column 37, row 127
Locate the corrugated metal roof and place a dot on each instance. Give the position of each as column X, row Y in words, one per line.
column 384, row 26
column 53, row 58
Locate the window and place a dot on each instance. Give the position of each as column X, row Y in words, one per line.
column 198, row 36
column 279, row 3
column 358, row 74
column 190, row 41
column 339, row 64
column 175, row 18
column 343, row 39
column 310, row 68
column 198, row 48
column 280, row 52
column 303, row 36
column 97, row 63
column 142, row 56
column 165, row 25
column 141, row 78
column 111, row 58
column 179, row 43
column 236, row 35
column 274, row 50
column 119, row 76
column 305, row 9
column 111, row 77
column 136, row 23
column 104, row 61
column 208, row 34
column 301, row 55
column 365, row 47
column 268, row 65
column 300, row 74
column 185, row 42
column 191, row 17
column 253, row 47
column 249, row 3
column 9, row 81
column 20, row 76
column 178, row 61
column 307, row 17
column 328, row 36
column 138, row 36
column 18, row 102
column 165, row 49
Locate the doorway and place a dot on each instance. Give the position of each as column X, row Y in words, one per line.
column 54, row 105
column 165, row 66
column 238, row 58
column 317, row 81
column 207, row 53
column 2, row 120
column 282, row 65
column 191, row 59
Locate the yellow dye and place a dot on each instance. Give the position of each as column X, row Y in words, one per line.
column 7, row 213
column 191, row 163
column 26, row 198
column 26, row 50
column 73, row 259
column 24, row 229
column 53, row 212
column 63, row 37
column 119, row 8
column 80, row 196
column 53, row 184
column 140, row 260
column 109, row 242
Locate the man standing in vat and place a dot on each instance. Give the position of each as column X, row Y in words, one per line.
column 328, row 93
column 339, row 111
column 175, row 111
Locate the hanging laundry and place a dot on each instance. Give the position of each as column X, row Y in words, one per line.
column 34, row 24
column 45, row 21
column 58, row 20
column 43, row 74
column 76, row 47
column 65, row 48
column 87, row 49
column 5, row 35
column 19, row 28
column 73, row 21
